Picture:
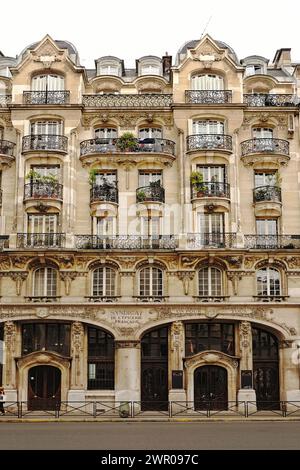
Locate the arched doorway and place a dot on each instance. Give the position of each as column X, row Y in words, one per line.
column 265, row 369
column 44, row 388
column 210, row 387
column 154, row 371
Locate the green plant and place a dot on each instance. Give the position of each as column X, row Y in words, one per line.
column 278, row 179
column 155, row 184
column 127, row 141
column 197, row 181
column 141, row 195
column 33, row 175
column 92, row 176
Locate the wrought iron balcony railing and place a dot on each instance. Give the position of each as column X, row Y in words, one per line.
column 270, row 298
column 208, row 96
column 45, row 142
column 151, row 298
column 150, row 194
column 99, row 145
column 43, row 190
column 144, row 100
column 4, row 242
column 40, row 240
column 104, row 193
column 46, row 97
column 211, row 189
column 5, row 100
column 103, row 298
column 126, row 242
column 270, row 145
column 266, row 99
column 209, row 142
column 42, row 298
column 267, row 193
column 269, row 242
column 211, row 240
column 7, row 148
column 211, row 298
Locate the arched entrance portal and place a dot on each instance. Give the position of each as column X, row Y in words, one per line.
column 44, row 388
column 154, row 379
column 210, row 386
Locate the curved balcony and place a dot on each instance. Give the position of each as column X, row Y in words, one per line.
column 211, row 240
column 5, row 100
column 272, row 242
column 45, row 142
column 7, row 152
column 266, row 99
column 267, row 200
column 209, row 192
column 46, row 97
column 265, row 150
column 150, row 193
column 103, row 193
column 207, row 142
column 208, row 96
column 148, row 149
column 40, row 190
column 143, row 100
column 40, row 240
column 126, row 242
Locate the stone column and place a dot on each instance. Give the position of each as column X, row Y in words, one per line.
column 246, row 363
column 289, row 361
column 176, row 355
column 78, row 366
column 128, row 370
column 9, row 367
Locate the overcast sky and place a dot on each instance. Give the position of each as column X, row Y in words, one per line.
column 130, row 29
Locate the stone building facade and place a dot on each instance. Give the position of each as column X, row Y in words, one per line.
column 150, row 229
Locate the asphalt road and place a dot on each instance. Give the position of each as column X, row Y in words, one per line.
column 147, row 436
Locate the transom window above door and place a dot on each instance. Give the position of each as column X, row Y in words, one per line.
column 47, row 127
column 207, row 82
column 50, row 82
column 106, row 133
column 148, row 177
column 150, row 132
column 262, row 133
column 208, row 127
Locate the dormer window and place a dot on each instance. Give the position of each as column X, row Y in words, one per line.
column 150, row 69
column 109, row 68
column 253, row 69
column 48, row 82
column 207, row 82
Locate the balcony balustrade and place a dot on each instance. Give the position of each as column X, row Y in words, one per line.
column 40, row 240
column 46, row 142
column 104, row 193
column 99, row 145
column 211, row 189
column 208, row 96
column 143, row 100
column 7, row 148
column 126, row 242
column 211, row 240
column 267, row 193
column 272, row 242
column 43, row 190
column 46, row 97
column 209, row 142
column 266, row 99
column 4, row 241
column 5, row 100
column 152, row 193
column 265, row 146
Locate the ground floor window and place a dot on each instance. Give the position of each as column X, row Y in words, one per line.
column 101, row 360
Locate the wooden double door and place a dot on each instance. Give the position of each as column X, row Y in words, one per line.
column 210, row 388
column 44, row 388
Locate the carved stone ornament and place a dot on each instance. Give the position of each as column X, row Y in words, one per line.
column 189, row 261
column 264, row 117
column 127, row 344
column 68, row 277
column 186, row 277
column 245, row 334
column 4, row 263
column 234, row 261
column 249, row 261
column 19, row 278
column 293, row 262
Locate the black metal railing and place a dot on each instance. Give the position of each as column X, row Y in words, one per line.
column 40, row 240
column 267, row 99
column 267, row 193
column 5, row 100
column 46, row 97
column 150, row 193
column 4, row 242
column 208, row 96
column 110, row 100
column 267, row 145
column 270, row 298
column 43, row 190
column 211, row 298
column 102, row 298
column 126, row 242
column 104, row 193
column 45, row 142
column 151, row 298
column 269, row 242
column 42, row 298
column 7, row 148
column 115, row 145
column 213, row 240
column 211, row 189
column 209, row 142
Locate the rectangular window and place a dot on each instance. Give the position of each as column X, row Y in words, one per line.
column 147, row 177
column 208, row 127
column 213, row 173
column 262, row 178
column 47, row 128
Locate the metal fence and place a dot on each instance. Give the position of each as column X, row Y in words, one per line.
column 143, row 409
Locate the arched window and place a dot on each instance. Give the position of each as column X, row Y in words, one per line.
column 106, row 133
column 48, row 82
column 150, row 132
column 262, row 132
column 45, row 282
column 208, row 126
column 104, row 282
column 206, row 336
column 46, row 337
column 207, row 82
column 210, row 282
column 101, row 360
column 268, row 282
column 47, row 127
column 151, row 282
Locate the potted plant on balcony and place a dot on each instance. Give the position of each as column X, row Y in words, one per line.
column 197, row 183
column 127, row 142
column 141, row 195
column 92, row 176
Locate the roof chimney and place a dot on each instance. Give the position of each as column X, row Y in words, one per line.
column 282, row 58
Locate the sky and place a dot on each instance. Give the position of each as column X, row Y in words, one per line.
column 130, row 29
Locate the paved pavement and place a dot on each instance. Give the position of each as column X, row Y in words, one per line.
column 147, row 436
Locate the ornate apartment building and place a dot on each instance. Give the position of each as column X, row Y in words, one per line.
column 150, row 227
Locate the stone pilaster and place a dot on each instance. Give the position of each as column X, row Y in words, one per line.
column 289, row 360
column 176, row 355
column 9, row 367
column 128, row 371
column 246, row 362
column 78, row 369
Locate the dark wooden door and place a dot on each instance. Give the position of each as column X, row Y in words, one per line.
column 154, row 386
column 210, row 388
column 266, row 385
column 44, row 388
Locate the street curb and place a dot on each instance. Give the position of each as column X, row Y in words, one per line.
column 152, row 420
